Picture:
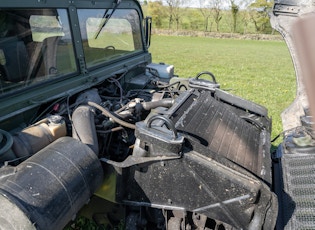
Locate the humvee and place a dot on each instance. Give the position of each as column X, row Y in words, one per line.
column 87, row 120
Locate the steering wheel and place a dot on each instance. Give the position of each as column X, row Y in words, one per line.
column 110, row 48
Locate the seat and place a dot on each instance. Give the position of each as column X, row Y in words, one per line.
column 13, row 59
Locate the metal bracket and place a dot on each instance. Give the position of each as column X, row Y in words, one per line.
column 132, row 160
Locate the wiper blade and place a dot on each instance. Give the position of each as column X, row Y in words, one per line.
column 107, row 17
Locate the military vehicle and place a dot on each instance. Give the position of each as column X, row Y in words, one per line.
column 87, row 120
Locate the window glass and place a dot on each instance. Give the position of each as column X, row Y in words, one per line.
column 109, row 35
column 35, row 46
column 44, row 27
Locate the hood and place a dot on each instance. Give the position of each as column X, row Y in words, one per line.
column 287, row 17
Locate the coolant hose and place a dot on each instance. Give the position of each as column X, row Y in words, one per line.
column 84, row 127
column 108, row 114
column 166, row 102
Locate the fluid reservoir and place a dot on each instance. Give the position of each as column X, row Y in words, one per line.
column 35, row 137
column 48, row 189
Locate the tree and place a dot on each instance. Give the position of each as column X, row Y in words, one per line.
column 245, row 14
column 259, row 15
column 175, row 11
column 205, row 10
column 234, row 12
column 216, row 12
column 157, row 12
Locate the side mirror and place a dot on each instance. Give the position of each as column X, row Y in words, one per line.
column 147, row 31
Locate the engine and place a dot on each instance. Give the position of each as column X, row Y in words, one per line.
column 196, row 158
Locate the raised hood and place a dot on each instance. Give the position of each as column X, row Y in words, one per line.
column 286, row 17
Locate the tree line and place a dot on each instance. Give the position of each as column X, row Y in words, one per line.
column 232, row 16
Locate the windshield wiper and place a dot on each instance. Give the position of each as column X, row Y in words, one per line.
column 107, row 17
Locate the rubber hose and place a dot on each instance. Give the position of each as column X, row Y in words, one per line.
column 166, row 102
column 108, row 114
column 84, row 128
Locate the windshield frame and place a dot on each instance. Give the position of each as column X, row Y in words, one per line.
column 22, row 100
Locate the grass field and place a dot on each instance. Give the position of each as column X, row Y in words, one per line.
column 260, row 71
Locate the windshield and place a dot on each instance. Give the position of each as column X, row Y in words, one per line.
column 109, row 35
column 35, row 46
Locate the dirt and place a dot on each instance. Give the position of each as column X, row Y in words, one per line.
column 268, row 37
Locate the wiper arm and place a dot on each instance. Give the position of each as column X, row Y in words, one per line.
column 102, row 25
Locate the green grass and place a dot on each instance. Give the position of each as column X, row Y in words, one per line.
column 260, row 71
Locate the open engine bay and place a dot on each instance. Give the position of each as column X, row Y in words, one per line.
column 160, row 143
column 88, row 121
